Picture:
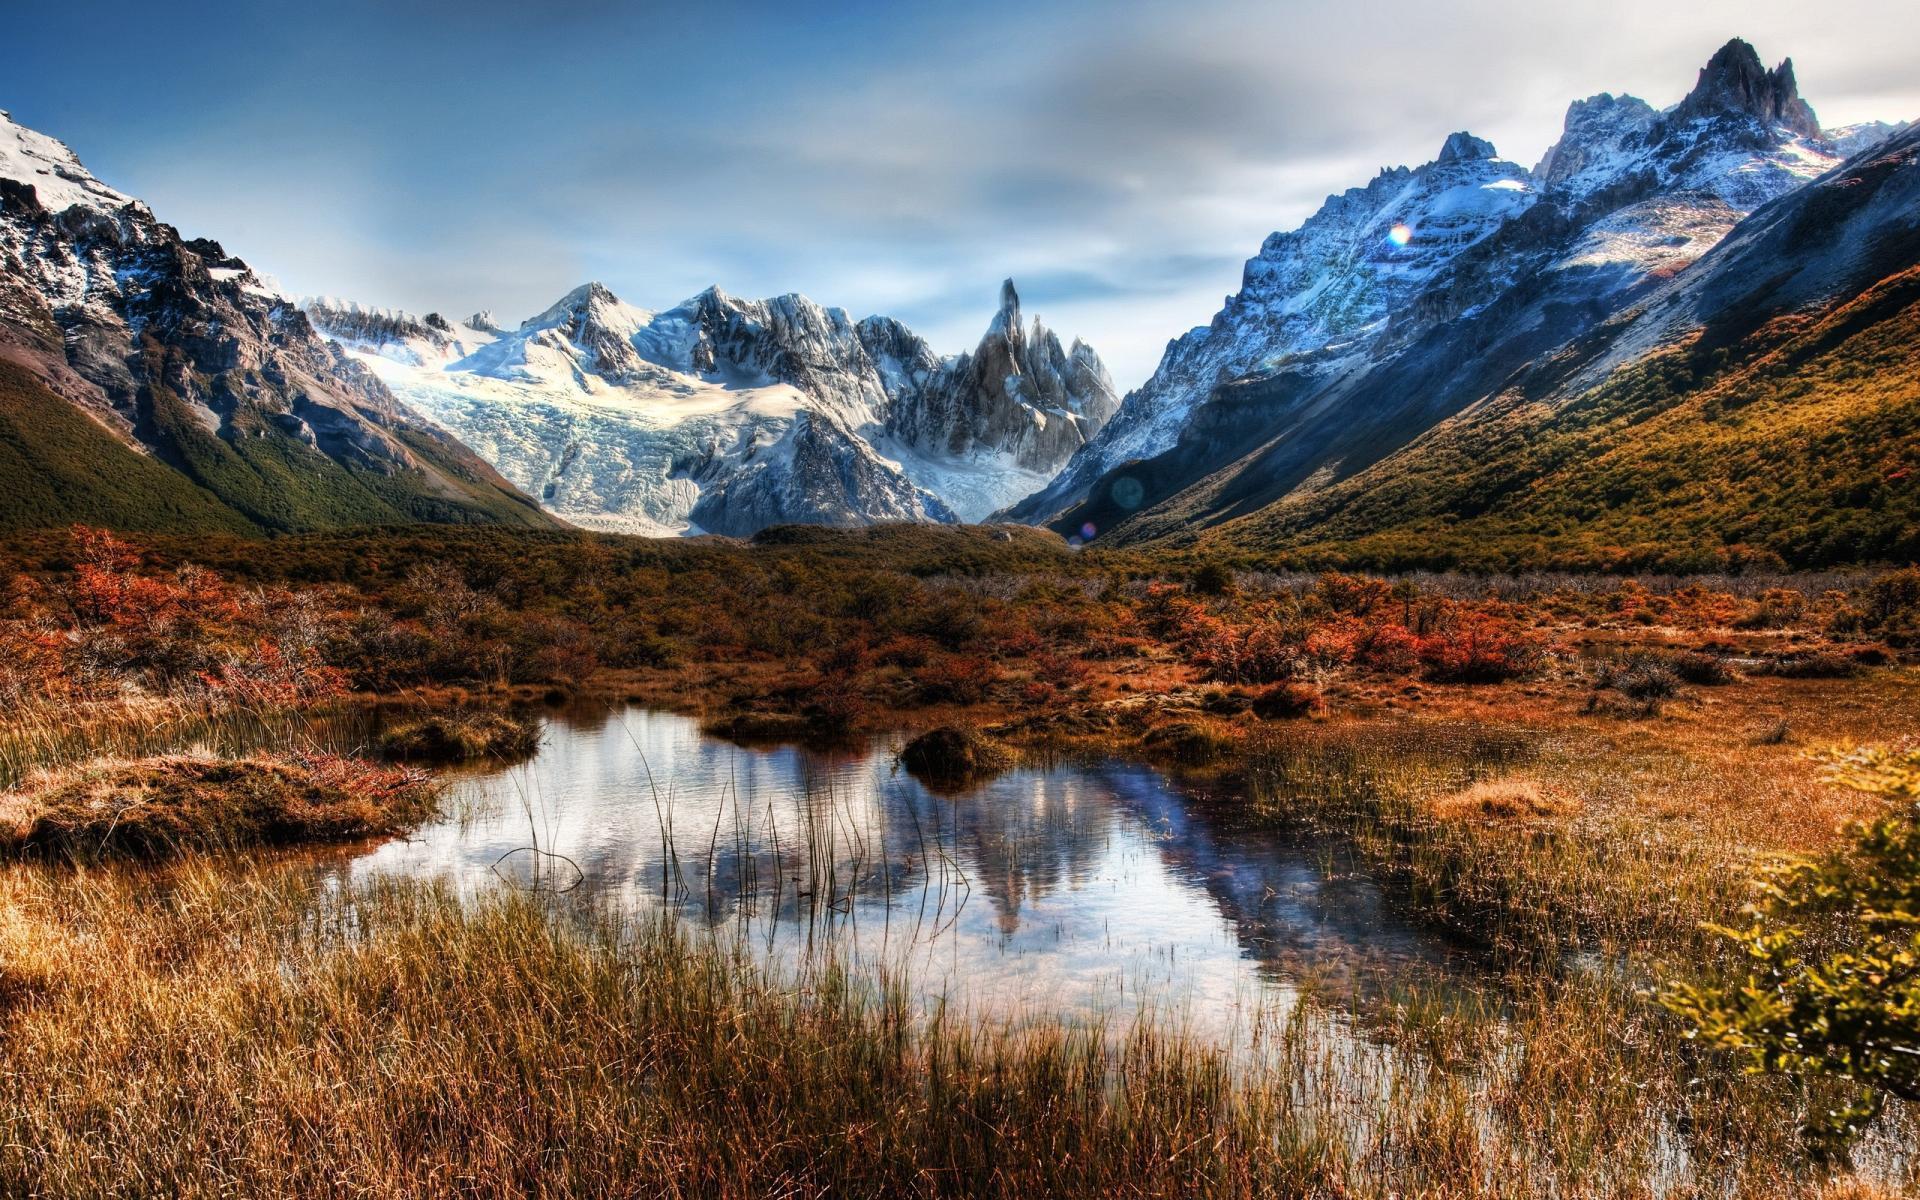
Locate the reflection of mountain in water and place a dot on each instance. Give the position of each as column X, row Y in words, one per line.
column 1039, row 886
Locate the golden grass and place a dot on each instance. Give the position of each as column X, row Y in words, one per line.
column 461, row 737
column 211, row 1030
column 1500, row 800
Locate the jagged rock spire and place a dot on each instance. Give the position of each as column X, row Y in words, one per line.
column 1735, row 80
column 1464, row 147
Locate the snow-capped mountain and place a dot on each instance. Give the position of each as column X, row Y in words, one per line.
column 1333, row 281
column 1627, row 197
column 184, row 357
column 724, row 415
column 1763, row 402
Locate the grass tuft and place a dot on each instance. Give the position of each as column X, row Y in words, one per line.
column 155, row 808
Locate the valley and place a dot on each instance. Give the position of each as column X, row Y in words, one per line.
column 1448, row 732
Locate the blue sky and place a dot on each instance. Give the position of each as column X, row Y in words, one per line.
column 1121, row 159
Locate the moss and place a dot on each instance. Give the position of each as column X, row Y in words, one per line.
column 160, row 807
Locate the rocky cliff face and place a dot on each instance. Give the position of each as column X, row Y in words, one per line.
column 1333, row 282
column 1735, row 83
column 1399, row 303
column 1017, row 395
column 725, row 415
column 187, row 356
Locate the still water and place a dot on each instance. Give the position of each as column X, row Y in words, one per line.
column 1065, row 890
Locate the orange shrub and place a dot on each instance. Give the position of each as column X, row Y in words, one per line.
column 956, row 678
column 1479, row 647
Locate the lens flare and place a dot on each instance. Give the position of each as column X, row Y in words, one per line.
column 1400, row 234
column 1087, row 531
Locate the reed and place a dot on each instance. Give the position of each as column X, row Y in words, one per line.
column 218, row 1029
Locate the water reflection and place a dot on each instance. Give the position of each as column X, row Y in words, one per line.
column 1070, row 889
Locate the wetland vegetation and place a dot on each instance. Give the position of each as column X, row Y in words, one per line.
column 1253, row 882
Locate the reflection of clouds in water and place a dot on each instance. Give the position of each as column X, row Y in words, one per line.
column 1075, row 889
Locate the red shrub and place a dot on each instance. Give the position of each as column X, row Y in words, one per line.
column 956, row 678
column 1478, row 647
column 1391, row 648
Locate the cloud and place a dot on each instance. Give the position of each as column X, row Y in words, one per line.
column 1120, row 159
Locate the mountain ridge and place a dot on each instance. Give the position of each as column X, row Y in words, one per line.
column 721, row 414
column 1626, row 200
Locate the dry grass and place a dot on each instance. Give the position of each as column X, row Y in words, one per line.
column 205, row 1031
column 1500, row 800
column 160, row 807
column 462, row 737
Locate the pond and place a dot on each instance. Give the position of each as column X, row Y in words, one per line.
column 1077, row 889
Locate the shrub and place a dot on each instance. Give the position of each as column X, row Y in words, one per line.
column 837, row 704
column 1705, row 670
column 1286, row 701
column 1480, row 648
column 1391, row 648
column 1813, row 664
column 1832, row 987
column 1891, row 608
column 956, row 678
column 1353, row 594
column 1639, row 675
column 1213, row 579
column 1776, row 608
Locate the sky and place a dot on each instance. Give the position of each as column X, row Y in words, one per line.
column 1120, row 160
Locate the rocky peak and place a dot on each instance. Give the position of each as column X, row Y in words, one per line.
column 54, row 172
column 590, row 329
column 1464, row 147
column 1596, row 128
column 1007, row 321
column 1735, row 81
column 585, row 302
column 483, row 322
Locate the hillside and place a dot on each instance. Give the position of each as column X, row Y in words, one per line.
column 1798, row 443
column 61, row 467
column 196, row 395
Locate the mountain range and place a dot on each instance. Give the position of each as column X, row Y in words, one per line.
column 723, row 415
column 1502, row 411
column 1685, row 337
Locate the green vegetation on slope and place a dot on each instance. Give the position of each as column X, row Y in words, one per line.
column 1797, row 443
column 283, row 484
column 60, row 467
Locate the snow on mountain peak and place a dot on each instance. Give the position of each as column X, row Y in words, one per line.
column 592, row 302
column 722, row 414
column 1635, row 195
column 54, row 172
column 1852, row 139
